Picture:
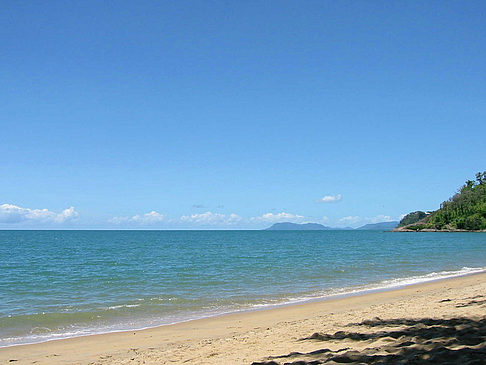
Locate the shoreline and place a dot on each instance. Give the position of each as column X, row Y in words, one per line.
column 195, row 333
column 341, row 293
column 425, row 230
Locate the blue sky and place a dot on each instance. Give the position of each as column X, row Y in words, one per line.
column 231, row 115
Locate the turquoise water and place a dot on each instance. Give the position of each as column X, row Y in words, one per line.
column 56, row 284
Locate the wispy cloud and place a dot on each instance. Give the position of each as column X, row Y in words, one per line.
column 10, row 213
column 350, row 220
column 278, row 217
column 330, row 198
column 359, row 221
column 382, row 218
column 210, row 218
column 145, row 219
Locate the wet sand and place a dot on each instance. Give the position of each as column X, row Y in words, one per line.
column 435, row 322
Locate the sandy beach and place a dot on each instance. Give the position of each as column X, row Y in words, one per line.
column 433, row 322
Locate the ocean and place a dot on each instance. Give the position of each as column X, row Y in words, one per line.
column 59, row 284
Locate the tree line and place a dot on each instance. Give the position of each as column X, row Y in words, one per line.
column 465, row 210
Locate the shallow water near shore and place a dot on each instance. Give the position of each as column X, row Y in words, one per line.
column 57, row 284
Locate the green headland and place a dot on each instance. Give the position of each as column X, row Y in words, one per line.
column 464, row 211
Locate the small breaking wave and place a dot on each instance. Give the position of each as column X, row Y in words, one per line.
column 42, row 333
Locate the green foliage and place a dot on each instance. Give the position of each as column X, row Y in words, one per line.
column 465, row 210
column 418, row 227
column 411, row 218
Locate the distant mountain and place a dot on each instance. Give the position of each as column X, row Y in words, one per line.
column 382, row 226
column 287, row 226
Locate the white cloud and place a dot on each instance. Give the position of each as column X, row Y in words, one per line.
column 210, row 218
column 381, row 218
column 279, row 217
column 330, row 198
column 350, row 220
column 66, row 215
column 10, row 213
column 359, row 221
column 147, row 218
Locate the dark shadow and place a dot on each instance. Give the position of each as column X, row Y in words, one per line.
column 415, row 341
column 472, row 302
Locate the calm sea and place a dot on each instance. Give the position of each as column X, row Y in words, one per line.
column 56, row 284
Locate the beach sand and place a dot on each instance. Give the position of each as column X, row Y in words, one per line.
column 436, row 322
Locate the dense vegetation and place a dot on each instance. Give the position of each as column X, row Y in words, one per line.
column 413, row 217
column 465, row 210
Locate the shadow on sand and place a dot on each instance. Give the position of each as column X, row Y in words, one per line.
column 404, row 341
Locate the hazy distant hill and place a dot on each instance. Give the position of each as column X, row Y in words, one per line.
column 287, row 226
column 382, row 226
